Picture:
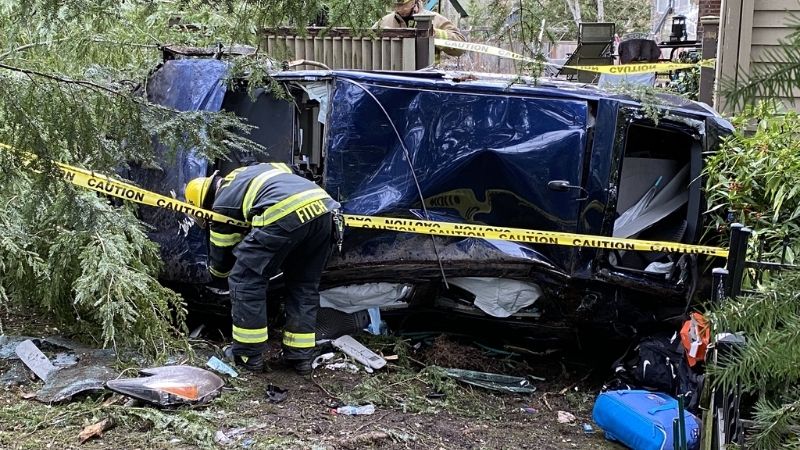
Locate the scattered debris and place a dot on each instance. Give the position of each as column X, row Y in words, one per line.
column 492, row 381
column 321, row 359
column 276, row 394
column 8, row 345
column 369, row 439
column 227, row 438
column 349, row 410
column 220, row 366
column 449, row 351
column 70, row 381
column 63, row 359
column 16, row 375
column 565, row 417
column 357, row 351
column 588, row 429
column 528, row 410
column 95, row 430
column 170, row 385
column 331, row 362
column 221, row 438
column 196, row 332
column 345, row 366
column 30, row 354
column 436, row 395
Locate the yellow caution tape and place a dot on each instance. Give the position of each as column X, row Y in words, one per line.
column 481, row 48
column 629, row 69
column 108, row 186
column 625, row 69
column 529, row 236
column 115, row 188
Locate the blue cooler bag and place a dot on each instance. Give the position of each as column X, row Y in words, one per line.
column 642, row 420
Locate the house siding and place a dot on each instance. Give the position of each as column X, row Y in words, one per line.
column 750, row 32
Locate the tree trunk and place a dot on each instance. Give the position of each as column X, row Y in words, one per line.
column 601, row 11
column 575, row 8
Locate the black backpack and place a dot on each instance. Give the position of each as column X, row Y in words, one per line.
column 658, row 363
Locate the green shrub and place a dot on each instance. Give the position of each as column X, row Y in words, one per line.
column 755, row 177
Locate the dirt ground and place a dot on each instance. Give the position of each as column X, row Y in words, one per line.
column 417, row 407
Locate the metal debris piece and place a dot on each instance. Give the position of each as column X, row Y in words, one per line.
column 64, row 359
column 227, row 438
column 357, row 351
column 95, row 430
column 170, row 385
column 492, row 381
column 16, row 375
column 565, row 417
column 220, row 366
column 71, row 381
column 222, row 439
column 345, row 366
column 321, row 359
column 276, row 394
column 30, row 354
column 196, row 332
column 8, row 345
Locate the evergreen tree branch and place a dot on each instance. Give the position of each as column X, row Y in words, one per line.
column 60, row 79
column 27, row 46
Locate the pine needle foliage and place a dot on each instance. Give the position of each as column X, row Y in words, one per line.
column 72, row 83
column 755, row 177
column 769, row 364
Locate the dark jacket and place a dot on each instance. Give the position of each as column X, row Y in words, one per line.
column 263, row 194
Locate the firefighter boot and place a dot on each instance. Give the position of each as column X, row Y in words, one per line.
column 249, row 363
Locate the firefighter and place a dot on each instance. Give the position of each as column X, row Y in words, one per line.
column 292, row 231
column 402, row 16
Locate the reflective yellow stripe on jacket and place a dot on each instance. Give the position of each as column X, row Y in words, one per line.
column 299, row 340
column 250, row 335
column 288, row 205
column 255, row 186
column 225, row 239
column 282, row 166
column 229, row 177
column 217, row 273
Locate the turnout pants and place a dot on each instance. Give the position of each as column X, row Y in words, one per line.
column 301, row 254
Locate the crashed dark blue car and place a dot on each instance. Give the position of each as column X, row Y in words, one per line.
column 482, row 149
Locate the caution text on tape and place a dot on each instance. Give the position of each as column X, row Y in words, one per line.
column 524, row 235
column 126, row 191
column 625, row 69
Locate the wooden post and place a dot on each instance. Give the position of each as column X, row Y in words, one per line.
column 708, row 74
column 424, row 47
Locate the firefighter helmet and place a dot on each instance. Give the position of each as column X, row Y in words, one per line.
column 198, row 192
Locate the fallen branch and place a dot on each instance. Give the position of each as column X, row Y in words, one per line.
column 362, row 440
column 95, row 430
column 60, row 79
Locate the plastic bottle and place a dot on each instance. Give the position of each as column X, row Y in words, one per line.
column 356, row 410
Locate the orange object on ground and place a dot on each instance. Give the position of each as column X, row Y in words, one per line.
column 695, row 336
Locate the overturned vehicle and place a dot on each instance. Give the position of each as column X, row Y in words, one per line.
column 466, row 148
